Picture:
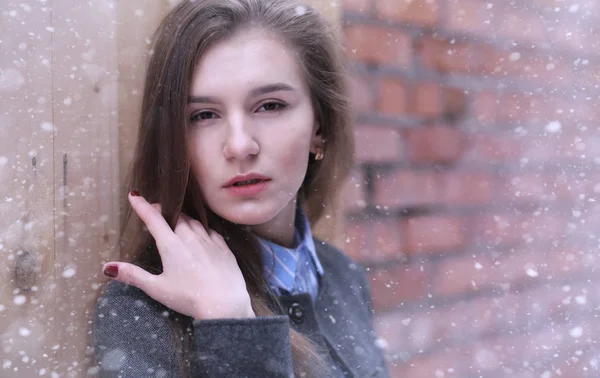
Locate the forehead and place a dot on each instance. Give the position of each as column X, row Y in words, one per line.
column 244, row 61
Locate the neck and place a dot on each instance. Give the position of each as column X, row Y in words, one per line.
column 280, row 229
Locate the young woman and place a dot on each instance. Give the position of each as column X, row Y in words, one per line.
column 245, row 137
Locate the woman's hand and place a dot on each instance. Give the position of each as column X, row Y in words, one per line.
column 200, row 278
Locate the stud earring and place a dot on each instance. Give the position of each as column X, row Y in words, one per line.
column 319, row 154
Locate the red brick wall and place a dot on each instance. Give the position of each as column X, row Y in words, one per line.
column 475, row 201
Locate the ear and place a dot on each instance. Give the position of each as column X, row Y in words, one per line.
column 316, row 140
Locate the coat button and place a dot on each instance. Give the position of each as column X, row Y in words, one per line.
column 296, row 313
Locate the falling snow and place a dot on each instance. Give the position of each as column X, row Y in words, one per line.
column 576, row 332
column 19, row 300
column 47, row 126
column 69, row 272
column 553, row 127
column 300, row 10
column 532, row 272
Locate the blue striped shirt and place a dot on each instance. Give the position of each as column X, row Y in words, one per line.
column 304, row 267
column 300, row 260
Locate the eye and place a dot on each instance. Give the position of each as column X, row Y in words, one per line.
column 271, row 106
column 203, row 116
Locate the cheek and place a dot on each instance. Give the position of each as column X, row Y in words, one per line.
column 292, row 157
column 202, row 154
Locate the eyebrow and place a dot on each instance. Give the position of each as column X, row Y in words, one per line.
column 255, row 92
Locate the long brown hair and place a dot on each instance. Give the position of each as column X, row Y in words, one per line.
column 160, row 169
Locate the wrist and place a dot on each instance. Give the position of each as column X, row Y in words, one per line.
column 247, row 314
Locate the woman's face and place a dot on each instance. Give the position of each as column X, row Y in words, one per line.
column 250, row 118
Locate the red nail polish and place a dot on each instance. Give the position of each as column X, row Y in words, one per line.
column 111, row 271
column 135, row 193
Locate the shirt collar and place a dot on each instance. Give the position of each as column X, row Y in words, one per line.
column 304, row 232
column 303, row 243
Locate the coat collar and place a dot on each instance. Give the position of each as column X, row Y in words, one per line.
column 340, row 320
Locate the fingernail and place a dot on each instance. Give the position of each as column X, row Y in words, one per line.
column 111, row 271
column 135, row 193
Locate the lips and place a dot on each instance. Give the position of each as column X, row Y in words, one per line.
column 247, row 182
column 247, row 179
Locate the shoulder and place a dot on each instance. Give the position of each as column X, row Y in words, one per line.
column 329, row 253
column 334, row 259
column 340, row 267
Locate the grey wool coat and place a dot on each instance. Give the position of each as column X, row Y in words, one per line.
column 133, row 338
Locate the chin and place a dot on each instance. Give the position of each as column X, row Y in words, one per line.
column 248, row 214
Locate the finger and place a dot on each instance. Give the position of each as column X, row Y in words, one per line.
column 196, row 226
column 153, row 219
column 156, row 206
column 183, row 230
column 132, row 275
column 218, row 239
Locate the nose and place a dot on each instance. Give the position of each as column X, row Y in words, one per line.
column 240, row 143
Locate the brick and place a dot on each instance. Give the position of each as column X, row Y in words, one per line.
column 379, row 45
column 503, row 229
column 421, row 12
column 392, row 97
column 547, row 3
column 492, row 149
column 549, row 186
column 471, row 16
column 513, row 106
column 567, row 262
column 445, row 55
column 522, row 187
column 490, row 354
column 395, row 284
column 565, row 31
column 405, row 188
column 354, row 191
column 426, row 100
column 538, row 109
column 537, row 149
column 362, row 93
column 583, row 222
column 447, row 363
column 378, row 144
column 466, row 188
column 536, row 352
column 410, row 332
column 524, row 65
column 373, row 240
column 431, row 234
column 588, row 75
column 434, row 145
column 585, row 111
column 406, row 331
column 500, row 63
column 494, row 335
column 421, row 334
column 461, row 275
column 485, row 105
column 519, row 25
column 454, row 104
column 515, row 267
